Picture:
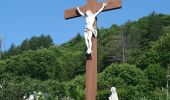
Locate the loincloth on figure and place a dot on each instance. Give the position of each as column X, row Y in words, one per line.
column 94, row 31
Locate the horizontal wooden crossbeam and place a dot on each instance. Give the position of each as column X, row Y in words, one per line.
column 72, row 13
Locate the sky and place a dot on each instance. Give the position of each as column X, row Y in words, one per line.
column 22, row 19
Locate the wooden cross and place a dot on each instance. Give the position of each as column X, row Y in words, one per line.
column 91, row 62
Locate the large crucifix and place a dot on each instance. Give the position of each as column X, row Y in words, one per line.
column 92, row 7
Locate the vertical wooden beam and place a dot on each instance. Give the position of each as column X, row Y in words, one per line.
column 91, row 62
column 91, row 71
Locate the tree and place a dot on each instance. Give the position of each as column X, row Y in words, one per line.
column 158, row 53
column 129, row 81
column 29, row 44
column 156, row 76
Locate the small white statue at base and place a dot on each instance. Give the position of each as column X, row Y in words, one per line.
column 89, row 30
column 114, row 94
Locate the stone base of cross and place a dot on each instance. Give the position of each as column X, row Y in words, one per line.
column 91, row 61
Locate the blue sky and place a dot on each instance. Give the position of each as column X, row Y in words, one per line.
column 21, row 19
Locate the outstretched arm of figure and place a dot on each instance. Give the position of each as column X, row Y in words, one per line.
column 80, row 12
column 101, row 9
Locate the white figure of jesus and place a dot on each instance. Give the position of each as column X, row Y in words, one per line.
column 114, row 94
column 89, row 30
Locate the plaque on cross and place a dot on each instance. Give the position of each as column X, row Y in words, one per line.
column 91, row 62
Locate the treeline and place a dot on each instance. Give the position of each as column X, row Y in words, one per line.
column 29, row 44
column 134, row 57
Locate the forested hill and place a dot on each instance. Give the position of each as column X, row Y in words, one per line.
column 133, row 57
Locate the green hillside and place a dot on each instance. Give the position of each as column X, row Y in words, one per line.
column 133, row 57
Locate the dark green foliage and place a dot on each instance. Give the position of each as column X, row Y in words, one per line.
column 159, row 53
column 133, row 57
column 151, row 27
column 29, row 44
column 129, row 81
column 45, row 64
column 15, row 87
column 75, row 46
column 156, row 76
column 109, row 47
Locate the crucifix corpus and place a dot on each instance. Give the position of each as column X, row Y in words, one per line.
column 90, row 12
